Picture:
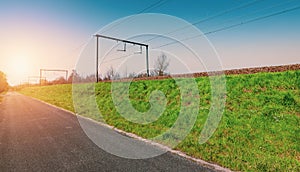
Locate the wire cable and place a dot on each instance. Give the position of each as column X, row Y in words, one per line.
column 210, row 17
column 220, row 29
column 152, row 6
column 234, row 25
column 206, row 19
column 254, row 12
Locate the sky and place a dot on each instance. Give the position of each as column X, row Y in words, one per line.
column 37, row 34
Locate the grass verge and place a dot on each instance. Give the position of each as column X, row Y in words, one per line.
column 259, row 130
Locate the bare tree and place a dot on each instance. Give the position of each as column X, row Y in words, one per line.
column 90, row 78
column 74, row 77
column 111, row 74
column 141, row 75
column 60, row 80
column 132, row 75
column 161, row 65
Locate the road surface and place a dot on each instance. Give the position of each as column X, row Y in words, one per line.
column 37, row 137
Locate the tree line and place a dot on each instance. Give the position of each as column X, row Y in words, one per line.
column 3, row 82
column 160, row 67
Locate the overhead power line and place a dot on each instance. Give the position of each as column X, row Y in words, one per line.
column 106, row 61
column 155, row 5
column 121, row 40
column 218, row 30
column 206, row 19
column 234, row 25
column 152, row 6
column 226, row 12
column 254, row 12
column 210, row 18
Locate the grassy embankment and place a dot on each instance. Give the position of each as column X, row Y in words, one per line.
column 259, row 130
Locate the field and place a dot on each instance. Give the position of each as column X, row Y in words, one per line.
column 259, row 130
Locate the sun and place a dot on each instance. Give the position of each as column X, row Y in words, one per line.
column 19, row 65
column 17, row 68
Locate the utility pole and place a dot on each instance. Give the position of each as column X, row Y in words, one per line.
column 97, row 59
column 40, row 76
column 119, row 40
column 147, row 61
column 67, row 75
column 52, row 70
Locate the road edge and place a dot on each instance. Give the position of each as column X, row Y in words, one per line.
column 134, row 136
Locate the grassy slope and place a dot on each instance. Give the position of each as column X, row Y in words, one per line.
column 59, row 95
column 259, row 130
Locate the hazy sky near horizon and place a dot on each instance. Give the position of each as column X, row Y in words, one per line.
column 39, row 34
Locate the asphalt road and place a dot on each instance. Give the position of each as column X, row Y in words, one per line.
column 37, row 137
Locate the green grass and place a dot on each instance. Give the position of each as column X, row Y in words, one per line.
column 59, row 95
column 259, row 130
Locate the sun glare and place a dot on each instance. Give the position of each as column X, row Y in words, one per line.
column 19, row 65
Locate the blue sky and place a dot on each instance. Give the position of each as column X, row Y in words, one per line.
column 69, row 24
